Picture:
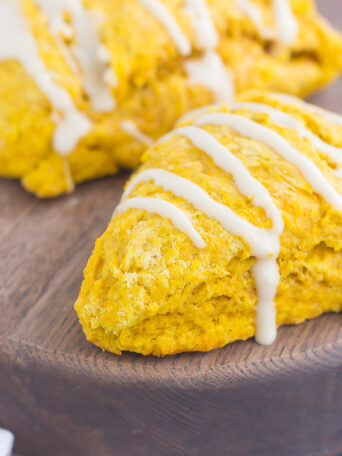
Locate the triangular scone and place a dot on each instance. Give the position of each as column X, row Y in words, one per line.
column 95, row 85
column 225, row 207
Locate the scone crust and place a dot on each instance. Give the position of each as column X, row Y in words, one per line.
column 147, row 288
column 153, row 89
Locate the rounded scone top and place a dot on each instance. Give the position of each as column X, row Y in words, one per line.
column 103, row 83
column 238, row 186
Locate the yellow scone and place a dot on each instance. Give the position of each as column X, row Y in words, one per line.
column 230, row 228
column 86, row 85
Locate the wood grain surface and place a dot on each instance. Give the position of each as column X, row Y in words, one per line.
column 62, row 396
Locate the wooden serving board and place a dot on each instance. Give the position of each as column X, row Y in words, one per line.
column 62, row 396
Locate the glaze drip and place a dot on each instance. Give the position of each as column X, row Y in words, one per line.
column 17, row 42
column 206, row 34
column 286, row 121
column 89, row 53
column 286, row 24
column 91, row 60
column 164, row 16
column 166, row 210
column 227, row 161
column 255, row 15
column 275, row 141
column 210, row 72
column 264, row 243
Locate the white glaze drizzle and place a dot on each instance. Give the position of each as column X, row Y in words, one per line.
column 201, row 200
column 227, row 161
column 6, row 442
column 210, row 72
column 286, row 23
column 291, row 100
column 87, row 49
column 17, row 42
column 265, row 245
column 132, row 130
column 285, row 120
column 166, row 210
column 255, row 15
column 164, row 16
column 206, row 34
column 257, row 132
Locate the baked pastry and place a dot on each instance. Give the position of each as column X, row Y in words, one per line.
column 230, row 228
column 86, row 86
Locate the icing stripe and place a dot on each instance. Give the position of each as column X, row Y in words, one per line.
column 21, row 46
column 255, row 15
column 132, row 130
column 286, row 23
column 266, row 276
column 168, row 21
column 87, row 48
column 286, row 121
column 166, row 210
column 6, row 442
column 206, row 34
column 227, row 161
column 291, row 100
column 264, row 244
column 265, row 271
column 255, row 131
column 210, row 72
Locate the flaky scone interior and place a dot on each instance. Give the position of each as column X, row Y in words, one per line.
column 231, row 227
column 86, row 86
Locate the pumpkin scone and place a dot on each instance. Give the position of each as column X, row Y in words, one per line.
column 231, row 227
column 87, row 85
